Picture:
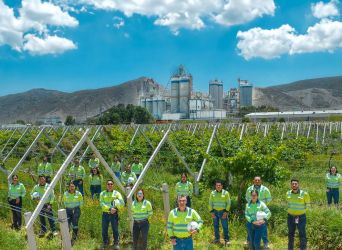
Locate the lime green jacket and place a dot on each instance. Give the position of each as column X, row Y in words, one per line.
column 137, row 168
column 116, row 166
column 298, row 203
column 125, row 176
column 41, row 190
column 333, row 181
column 95, row 179
column 184, row 188
column 76, row 173
column 45, row 169
column 107, row 198
column 72, row 200
column 93, row 163
column 219, row 201
column 252, row 209
column 178, row 221
column 16, row 191
column 264, row 194
column 141, row 210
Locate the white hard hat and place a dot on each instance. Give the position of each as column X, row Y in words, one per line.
column 35, row 195
column 260, row 215
column 193, row 225
column 130, row 180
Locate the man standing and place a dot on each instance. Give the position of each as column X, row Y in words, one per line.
column 36, row 194
column 128, row 177
column 77, row 175
column 137, row 167
column 94, row 162
column 264, row 196
column 111, row 203
column 178, row 225
column 219, row 205
column 45, row 169
column 185, row 187
column 298, row 202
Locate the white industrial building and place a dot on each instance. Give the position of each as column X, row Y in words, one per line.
column 294, row 115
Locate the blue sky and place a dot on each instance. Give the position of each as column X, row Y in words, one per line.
column 67, row 45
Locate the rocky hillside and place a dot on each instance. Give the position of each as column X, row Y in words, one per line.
column 34, row 104
column 320, row 93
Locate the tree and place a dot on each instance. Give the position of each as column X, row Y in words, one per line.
column 70, row 120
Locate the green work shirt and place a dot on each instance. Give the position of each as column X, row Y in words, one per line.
column 95, row 179
column 264, row 194
column 185, row 188
column 107, row 198
column 125, row 176
column 333, row 181
column 252, row 209
column 76, row 172
column 178, row 221
column 16, row 191
column 41, row 190
column 94, row 163
column 45, row 169
column 137, row 168
column 219, row 200
column 141, row 210
column 298, row 203
column 72, row 200
column 116, row 166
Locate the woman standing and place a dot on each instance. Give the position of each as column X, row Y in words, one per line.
column 333, row 180
column 256, row 214
column 142, row 210
column 184, row 187
column 73, row 200
column 15, row 198
column 95, row 180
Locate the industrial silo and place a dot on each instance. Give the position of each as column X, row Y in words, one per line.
column 216, row 93
column 175, row 94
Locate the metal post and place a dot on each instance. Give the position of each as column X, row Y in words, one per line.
column 324, row 133
column 166, row 200
column 146, row 167
column 282, row 132
column 196, row 185
column 16, row 144
column 30, row 233
column 60, row 140
column 207, row 152
column 2, row 150
column 309, row 128
column 63, row 222
column 129, row 208
column 56, row 146
column 193, row 132
column 265, row 130
column 135, row 134
column 242, row 129
column 92, row 139
column 317, row 133
column 297, row 133
column 25, row 155
column 56, row 178
column 173, row 147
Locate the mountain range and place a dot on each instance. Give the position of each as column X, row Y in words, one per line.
column 30, row 106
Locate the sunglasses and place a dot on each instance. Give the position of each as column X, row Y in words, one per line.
column 109, row 184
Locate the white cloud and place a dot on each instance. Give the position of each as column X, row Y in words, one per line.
column 268, row 44
column 190, row 14
column 118, row 22
column 322, row 10
column 48, row 45
column 34, row 16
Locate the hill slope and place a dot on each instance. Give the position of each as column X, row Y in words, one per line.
column 36, row 103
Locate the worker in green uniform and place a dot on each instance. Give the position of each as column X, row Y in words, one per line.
column 256, row 213
column 116, row 166
column 45, row 169
column 333, row 182
column 264, row 195
column 185, row 187
column 137, row 167
column 219, row 206
column 16, row 193
column 95, row 181
column 298, row 202
column 141, row 211
column 128, row 178
column 111, row 203
column 36, row 194
column 183, row 222
column 73, row 200
column 94, row 162
column 77, row 175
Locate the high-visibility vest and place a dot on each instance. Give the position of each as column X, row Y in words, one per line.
column 298, row 203
column 219, row 200
column 141, row 210
column 252, row 209
column 185, row 188
column 116, row 166
column 137, row 168
column 16, row 191
column 107, row 198
column 45, row 169
column 41, row 190
column 264, row 194
column 178, row 221
column 72, row 200
column 95, row 179
column 94, row 163
column 125, row 176
column 333, row 181
column 76, row 172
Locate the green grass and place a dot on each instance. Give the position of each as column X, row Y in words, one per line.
column 324, row 224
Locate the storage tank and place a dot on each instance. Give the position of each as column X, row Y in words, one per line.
column 175, row 94
column 216, row 93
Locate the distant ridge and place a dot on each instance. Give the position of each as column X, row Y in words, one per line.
column 36, row 103
column 319, row 93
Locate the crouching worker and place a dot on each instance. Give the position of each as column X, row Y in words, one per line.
column 73, row 200
column 182, row 224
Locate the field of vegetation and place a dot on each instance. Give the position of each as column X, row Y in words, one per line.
column 234, row 161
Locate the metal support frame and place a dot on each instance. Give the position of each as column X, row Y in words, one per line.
column 54, row 143
column 135, row 134
column 2, row 150
column 16, row 144
column 30, row 233
column 60, row 141
column 92, row 139
column 173, row 147
column 63, row 221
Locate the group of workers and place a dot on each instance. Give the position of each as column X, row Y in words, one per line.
column 183, row 221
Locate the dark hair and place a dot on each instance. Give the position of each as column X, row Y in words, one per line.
column 331, row 168
column 294, row 179
column 110, row 180
column 41, row 176
column 219, row 181
column 71, row 183
column 98, row 171
column 257, row 177
column 181, row 196
column 136, row 193
column 184, row 174
column 15, row 176
column 255, row 191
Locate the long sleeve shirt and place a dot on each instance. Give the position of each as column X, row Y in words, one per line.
column 264, row 194
column 72, row 200
column 252, row 209
column 219, row 201
column 110, row 200
column 41, row 190
column 16, row 191
column 141, row 210
column 298, row 203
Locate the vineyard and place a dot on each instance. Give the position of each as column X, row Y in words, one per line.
column 232, row 152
